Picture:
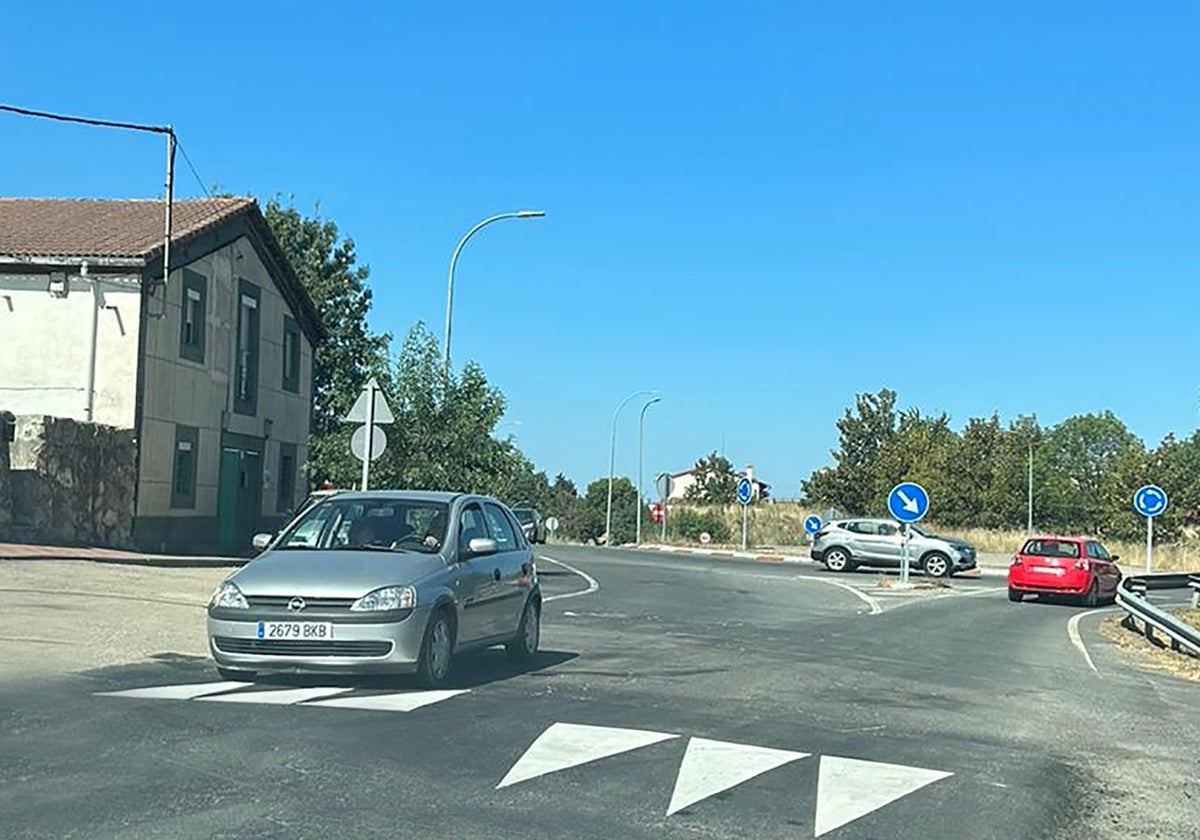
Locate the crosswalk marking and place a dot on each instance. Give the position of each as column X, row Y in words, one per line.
column 566, row 745
column 405, row 702
column 284, row 697
column 176, row 692
column 709, row 767
column 849, row 788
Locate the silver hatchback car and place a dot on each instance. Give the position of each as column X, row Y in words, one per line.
column 846, row 543
column 380, row 582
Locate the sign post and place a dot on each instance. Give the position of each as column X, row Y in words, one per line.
column 1150, row 501
column 745, row 492
column 368, row 441
column 664, row 484
column 812, row 525
column 908, row 502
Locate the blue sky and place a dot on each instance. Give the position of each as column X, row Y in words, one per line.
column 760, row 209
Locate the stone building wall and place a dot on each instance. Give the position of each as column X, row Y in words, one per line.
column 5, row 482
column 72, row 482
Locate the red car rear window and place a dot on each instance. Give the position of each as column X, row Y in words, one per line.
column 1051, row 548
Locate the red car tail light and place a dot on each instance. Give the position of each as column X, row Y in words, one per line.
column 1082, row 565
column 1016, row 561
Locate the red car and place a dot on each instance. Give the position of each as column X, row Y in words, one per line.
column 1064, row 566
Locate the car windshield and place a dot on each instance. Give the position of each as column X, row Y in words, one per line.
column 524, row 515
column 370, row 525
column 919, row 531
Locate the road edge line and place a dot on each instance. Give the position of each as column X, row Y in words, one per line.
column 1077, row 638
column 593, row 584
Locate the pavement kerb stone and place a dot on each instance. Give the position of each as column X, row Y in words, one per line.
column 761, row 557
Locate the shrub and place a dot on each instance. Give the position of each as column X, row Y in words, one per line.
column 689, row 523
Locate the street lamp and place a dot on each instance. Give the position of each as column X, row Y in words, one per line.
column 519, row 214
column 641, row 447
column 612, row 460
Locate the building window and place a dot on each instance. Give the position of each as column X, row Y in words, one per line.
column 193, row 307
column 183, row 481
column 245, row 380
column 291, row 355
column 287, row 478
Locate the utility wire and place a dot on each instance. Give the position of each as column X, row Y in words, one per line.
column 192, row 167
column 27, row 112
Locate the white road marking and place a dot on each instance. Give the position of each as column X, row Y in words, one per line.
column 848, row 788
column 175, row 692
column 1077, row 639
column 283, row 697
column 593, row 585
column 566, row 745
column 710, row 767
column 875, row 606
column 404, row 702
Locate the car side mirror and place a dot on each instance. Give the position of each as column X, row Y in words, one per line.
column 1115, row 557
column 481, row 546
column 261, row 541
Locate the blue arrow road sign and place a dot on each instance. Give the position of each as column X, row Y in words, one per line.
column 745, row 491
column 1150, row 500
column 908, row 501
column 812, row 524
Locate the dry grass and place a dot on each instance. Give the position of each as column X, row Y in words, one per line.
column 1150, row 655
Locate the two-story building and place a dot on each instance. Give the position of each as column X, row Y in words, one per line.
column 212, row 368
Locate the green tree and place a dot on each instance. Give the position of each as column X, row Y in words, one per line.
column 716, row 481
column 855, row 484
column 588, row 519
column 327, row 265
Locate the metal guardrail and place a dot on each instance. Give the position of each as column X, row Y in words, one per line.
column 1131, row 596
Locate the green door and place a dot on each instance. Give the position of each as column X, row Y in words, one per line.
column 228, row 484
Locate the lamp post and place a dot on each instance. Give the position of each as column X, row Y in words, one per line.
column 519, row 214
column 641, row 448
column 612, row 460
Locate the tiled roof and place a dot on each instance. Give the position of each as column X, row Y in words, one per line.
column 56, row 227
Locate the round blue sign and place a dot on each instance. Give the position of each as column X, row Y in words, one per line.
column 812, row 524
column 745, row 491
column 908, row 501
column 1150, row 500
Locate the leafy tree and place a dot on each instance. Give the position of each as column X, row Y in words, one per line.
column 588, row 519
column 327, row 265
column 716, row 481
column 854, row 485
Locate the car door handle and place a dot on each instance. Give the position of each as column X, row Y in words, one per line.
column 495, row 574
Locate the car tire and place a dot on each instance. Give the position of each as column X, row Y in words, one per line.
column 524, row 645
column 437, row 651
column 838, row 559
column 235, row 675
column 1092, row 598
column 1015, row 596
column 937, row 565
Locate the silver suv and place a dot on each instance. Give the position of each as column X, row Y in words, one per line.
column 844, row 544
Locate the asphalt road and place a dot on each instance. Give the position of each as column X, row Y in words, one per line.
column 748, row 700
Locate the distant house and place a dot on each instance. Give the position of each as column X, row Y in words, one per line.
column 681, row 482
column 212, row 371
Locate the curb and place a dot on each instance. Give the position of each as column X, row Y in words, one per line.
column 135, row 560
column 761, row 557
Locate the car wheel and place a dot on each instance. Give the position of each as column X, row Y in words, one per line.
column 437, row 651
column 937, row 565
column 838, row 560
column 524, row 645
column 1092, row 598
column 234, row 675
column 1014, row 595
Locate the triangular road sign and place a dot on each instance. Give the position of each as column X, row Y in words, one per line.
column 848, row 788
column 383, row 411
column 710, row 767
column 566, row 745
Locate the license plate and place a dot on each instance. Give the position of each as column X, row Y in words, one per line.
column 1047, row 571
column 304, row 630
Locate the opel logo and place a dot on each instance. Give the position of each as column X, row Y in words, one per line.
column 296, row 604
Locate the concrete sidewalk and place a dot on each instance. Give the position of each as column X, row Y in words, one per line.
column 29, row 551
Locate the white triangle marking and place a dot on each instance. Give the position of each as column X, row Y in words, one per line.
column 406, row 702
column 285, row 697
column 175, row 692
column 566, row 745
column 710, row 767
column 848, row 788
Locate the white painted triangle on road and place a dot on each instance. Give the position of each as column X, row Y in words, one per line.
column 566, row 745
column 405, row 702
column 282, row 697
column 175, row 692
column 849, row 788
column 710, row 767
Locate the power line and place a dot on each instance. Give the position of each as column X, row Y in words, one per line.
column 192, row 167
column 27, row 112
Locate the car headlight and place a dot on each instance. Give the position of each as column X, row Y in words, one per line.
column 228, row 596
column 387, row 598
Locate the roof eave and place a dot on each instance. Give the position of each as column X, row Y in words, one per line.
column 72, row 260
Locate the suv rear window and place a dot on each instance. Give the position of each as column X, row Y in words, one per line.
column 1051, row 548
